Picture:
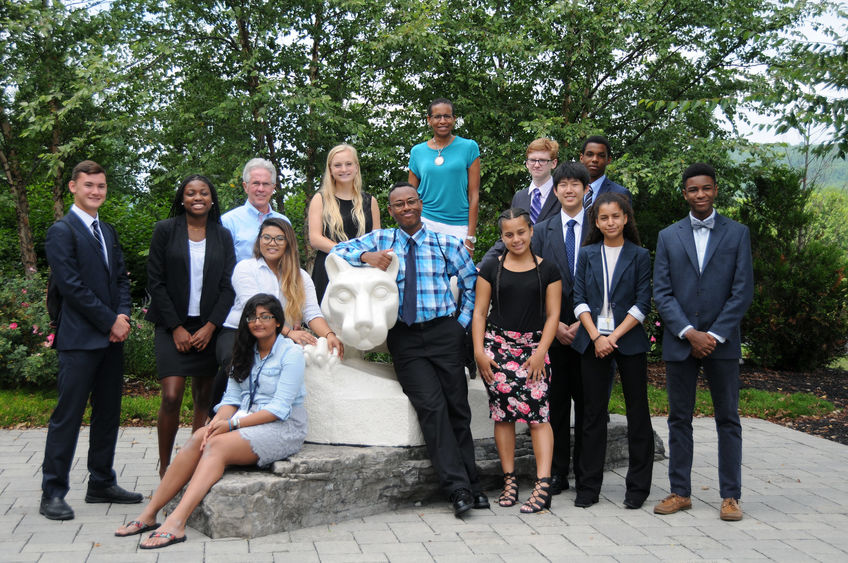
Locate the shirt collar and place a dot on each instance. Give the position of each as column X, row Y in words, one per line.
column 278, row 343
column 418, row 237
column 710, row 215
column 255, row 212
column 566, row 217
column 596, row 185
column 544, row 189
column 86, row 218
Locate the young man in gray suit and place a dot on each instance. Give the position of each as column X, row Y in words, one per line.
column 703, row 284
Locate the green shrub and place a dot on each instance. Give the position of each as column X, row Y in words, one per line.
column 25, row 333
column 139, row 354
column 799, row 317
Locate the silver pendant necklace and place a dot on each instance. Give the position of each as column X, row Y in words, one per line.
column 439, row 160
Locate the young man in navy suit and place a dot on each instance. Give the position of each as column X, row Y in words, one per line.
column 89, row 274
column 559, row 239
column 537, row 198
column 596, row 156
column 703, row 284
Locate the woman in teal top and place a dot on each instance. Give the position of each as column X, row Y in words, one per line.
column 446, row 172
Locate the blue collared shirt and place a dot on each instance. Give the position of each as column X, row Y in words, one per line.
column 280, row 379
column 437, row 258
column 243, row 223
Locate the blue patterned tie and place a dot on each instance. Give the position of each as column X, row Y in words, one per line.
column 569, row 245
column 587, row 199
column 535, row 205
column 410, row 286
column 95, row 230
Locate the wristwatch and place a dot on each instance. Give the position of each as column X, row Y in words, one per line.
column 472, row 239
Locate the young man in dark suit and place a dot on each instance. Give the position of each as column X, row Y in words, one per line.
column 703, row 284
column 559, row 239
column 88, row 270
column 537, row 198
column 596, row 156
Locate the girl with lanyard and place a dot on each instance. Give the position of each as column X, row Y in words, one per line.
column 612, row 297
column 260, row 420
column 511, row 349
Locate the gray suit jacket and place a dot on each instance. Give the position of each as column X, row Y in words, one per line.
column 714, row 300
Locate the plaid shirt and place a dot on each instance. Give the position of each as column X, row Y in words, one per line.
column 437, row 258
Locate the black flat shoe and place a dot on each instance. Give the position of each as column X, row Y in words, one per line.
column 55, row 508
column 462, row 501
column 480, row 500
column 558, row 484
column 113, row 494
column 585, row 501
column 633, row 504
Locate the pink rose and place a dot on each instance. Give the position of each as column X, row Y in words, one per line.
column 537, row 393
column 24, row 291
column 35, row 329
column 653, row 339
column 13, row 326
column 499, row 377
column 503, row 388
column 523, row 407
column 512, row 366
column 543, row 412
column 657, row 323
column 24, row 304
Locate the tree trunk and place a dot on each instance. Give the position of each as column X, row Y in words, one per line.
column 58, row 200
column 11, row 169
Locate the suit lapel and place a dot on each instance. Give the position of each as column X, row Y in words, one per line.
column 555, row 235
column 550, row 206
column 596, row 266
column 687, row 239
column 714, row 240
column 628, row 253
column 86, row 235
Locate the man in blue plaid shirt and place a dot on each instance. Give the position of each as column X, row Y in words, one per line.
column 426, row 343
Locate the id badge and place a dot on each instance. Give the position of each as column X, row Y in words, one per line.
column 606, row 325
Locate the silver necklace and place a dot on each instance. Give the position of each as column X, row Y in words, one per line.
column 439, row 160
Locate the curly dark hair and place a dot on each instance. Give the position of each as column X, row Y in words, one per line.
column 631, row 233
column 177, row 205
column 242, row 361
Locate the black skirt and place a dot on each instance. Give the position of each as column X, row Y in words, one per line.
column 170, row 362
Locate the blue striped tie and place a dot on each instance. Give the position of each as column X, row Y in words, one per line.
column 535, row 205
column 587, row 199
column 569, row 245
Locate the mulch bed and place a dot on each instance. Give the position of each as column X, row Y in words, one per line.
column 826, row 383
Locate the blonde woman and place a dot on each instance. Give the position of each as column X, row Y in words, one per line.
column 339, row 211
column 274, row 269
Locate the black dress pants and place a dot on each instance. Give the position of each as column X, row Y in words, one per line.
column 633, row 370
column 429, row 363
column 566, row 385
column 84, row 373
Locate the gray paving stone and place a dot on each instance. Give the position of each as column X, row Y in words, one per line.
column 397, row 549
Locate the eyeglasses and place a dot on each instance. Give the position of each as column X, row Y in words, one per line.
column 537, row 161
column 261, row 184
column 441, row 116
column 411, row 202
column 265, row 317
column 268, row 239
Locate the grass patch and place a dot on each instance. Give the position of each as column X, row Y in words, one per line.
column 23, row 407
column 752, row 403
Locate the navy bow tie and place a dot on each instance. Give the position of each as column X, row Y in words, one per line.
column 707, row 223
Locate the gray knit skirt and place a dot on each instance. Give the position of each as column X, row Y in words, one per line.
column 276, row 440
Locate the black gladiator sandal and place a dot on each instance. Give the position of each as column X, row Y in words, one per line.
column 541, row 497
column 509, row 496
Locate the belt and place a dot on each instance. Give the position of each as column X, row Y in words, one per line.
column 425, row 324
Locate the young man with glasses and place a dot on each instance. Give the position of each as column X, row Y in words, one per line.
column 426, row 342
column 259, row 180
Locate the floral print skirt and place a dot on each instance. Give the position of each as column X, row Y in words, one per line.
column 511, row 397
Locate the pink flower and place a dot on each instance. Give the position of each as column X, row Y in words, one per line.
column 523, row 407
column 50, row 337
column 537, row 393
column 543, row 412
column 657, row 323
column 13, row 326
column 24, row 304
column 511, row 366
column 144, row 310
column 35, row 329
column 140, row 326
column 503, row 388
column 24, row 291
column 500, row 377
column 653, row 339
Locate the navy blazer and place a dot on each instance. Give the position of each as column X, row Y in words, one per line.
column 714, row 300
column 630, row 284
column 548, row 242
column 610, row 186
column 93, row 294
column 168, row 274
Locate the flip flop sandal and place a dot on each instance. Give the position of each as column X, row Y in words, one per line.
column 172, row 539
column 140, row 528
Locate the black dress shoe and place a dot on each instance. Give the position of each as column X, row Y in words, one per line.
column 55, row 508
column 480, row 500
column 633, row 504
column 462, row 501
column 585, row 501
column 114, row 494
column 558, row 484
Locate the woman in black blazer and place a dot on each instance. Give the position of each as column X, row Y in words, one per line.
column 612, row 297
column 188, row 276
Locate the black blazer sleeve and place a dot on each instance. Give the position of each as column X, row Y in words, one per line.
column 218, row 281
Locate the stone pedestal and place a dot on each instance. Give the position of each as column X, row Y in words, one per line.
column 324, row 484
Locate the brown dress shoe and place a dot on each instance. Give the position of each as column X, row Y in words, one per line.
column 672, row 503
column 730, row 510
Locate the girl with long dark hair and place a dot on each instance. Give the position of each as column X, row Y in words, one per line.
column 260, row 420
column 511, row 350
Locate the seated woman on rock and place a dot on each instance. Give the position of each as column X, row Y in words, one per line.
column 260, row 420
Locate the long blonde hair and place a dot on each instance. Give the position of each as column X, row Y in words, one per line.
column 287, row 271
column 330, row 215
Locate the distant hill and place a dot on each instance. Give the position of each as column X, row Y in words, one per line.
column 826, row 172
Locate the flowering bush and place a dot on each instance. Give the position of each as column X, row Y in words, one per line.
column 26, row 357
column 139, row 355
column 654, row 327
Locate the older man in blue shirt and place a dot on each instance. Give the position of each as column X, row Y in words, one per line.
column 426, row 343
column 259, row 179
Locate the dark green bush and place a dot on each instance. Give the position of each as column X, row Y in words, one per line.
column 799, row 317
column 25, row 334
